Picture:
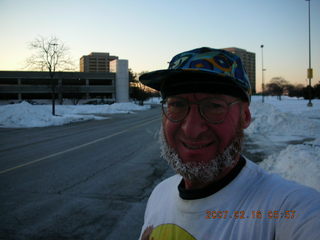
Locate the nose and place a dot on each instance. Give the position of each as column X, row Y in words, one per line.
column 194, row 124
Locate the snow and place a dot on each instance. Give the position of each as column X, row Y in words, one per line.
column 296, row 128
column 26, row 115
column 289, row 119
column 288, row 131
column 300, row 163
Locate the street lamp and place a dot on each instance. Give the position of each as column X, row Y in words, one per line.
column 310, row 72
column 262, row 70
column 52, row 68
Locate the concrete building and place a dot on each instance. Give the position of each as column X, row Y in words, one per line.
column 24, row 85
column 249, row 61
column 96, row 62
column 101, row 76
column 110, row 86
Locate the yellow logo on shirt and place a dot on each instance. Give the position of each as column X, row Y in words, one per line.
column 170, row 231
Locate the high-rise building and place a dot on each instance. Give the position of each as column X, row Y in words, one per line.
column 96, row 62
column 249, row 62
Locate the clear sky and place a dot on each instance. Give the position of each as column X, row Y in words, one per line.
column 149, row 32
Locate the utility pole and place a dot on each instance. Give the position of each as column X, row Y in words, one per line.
column 262, row 70
column 310, row 72
column 52, row 70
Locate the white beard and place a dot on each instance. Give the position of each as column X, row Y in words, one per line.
column 201, row 172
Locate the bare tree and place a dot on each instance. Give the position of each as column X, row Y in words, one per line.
column 277, row 86
column 50, row 54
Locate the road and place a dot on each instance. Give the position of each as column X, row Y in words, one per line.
column 87, row 180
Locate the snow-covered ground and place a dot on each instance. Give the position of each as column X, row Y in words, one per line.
column 26, row 115
column 296, row 128
column 288, row 124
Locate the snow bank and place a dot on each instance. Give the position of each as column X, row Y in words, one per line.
column 300, row 163
column 268, row 119
column 155, row 100
column 25, row 115
column 284, row 121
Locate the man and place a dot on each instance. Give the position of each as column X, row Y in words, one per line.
column 218, row 193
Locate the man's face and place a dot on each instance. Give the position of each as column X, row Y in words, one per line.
column 195, row 139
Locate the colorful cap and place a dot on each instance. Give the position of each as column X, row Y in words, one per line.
column 206, row 70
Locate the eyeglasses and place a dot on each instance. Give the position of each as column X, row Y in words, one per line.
column 213, row 110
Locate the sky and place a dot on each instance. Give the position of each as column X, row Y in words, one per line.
column 150, row 32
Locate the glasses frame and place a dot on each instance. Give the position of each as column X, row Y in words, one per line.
column 163, row 102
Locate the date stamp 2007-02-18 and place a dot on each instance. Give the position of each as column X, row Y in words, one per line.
column 256, row 214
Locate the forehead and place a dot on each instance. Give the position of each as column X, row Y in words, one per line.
column 199, row 96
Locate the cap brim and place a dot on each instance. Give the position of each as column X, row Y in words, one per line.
column 177, row 81
column 158, row 79
column 154, row 79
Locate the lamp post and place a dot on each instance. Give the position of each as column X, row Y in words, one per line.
column 52, row 69
column 262, row 70
column 309, row 71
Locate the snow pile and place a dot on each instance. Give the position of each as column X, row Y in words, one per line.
column 300, row 163
column 268, row 119
column 103, row 109
column 282, row 122
column 27, row 115
column 155, row 100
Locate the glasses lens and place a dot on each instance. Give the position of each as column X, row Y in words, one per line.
column 214, row 110
column 175, row 108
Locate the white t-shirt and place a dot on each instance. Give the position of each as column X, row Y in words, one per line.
column 254, row 205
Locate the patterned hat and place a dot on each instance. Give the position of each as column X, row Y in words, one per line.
column 206, row 70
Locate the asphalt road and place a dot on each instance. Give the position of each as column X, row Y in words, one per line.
column 86, row 180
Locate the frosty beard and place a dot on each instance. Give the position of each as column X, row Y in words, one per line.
column 202, row 172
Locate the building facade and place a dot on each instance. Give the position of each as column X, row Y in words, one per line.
column 24, row 85
column 101, row 76
column 249, row 62
column 96, row 62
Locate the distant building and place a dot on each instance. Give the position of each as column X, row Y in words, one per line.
column 96, row 62
column 101, row 76
column 249, row 62
column 109, row 80
column 31, row 85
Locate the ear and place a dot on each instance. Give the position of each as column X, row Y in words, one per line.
column 246, row 115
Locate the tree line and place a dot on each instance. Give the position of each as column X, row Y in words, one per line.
column 278, row 86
